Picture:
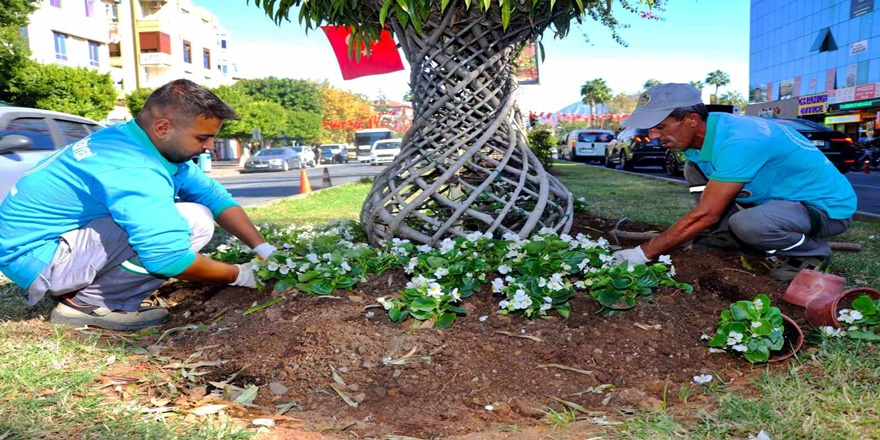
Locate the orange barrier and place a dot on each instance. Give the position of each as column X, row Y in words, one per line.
column 305, row 186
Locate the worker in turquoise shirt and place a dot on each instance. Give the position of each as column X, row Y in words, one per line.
column 762, row 185
column 103, row 222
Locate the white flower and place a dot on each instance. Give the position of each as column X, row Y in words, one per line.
column 441, row 272
column 542, row 282
column 734, row 338
column 455, row 295
column 605, row 258
column 510, row 236
column 424, row 248
column 703, row 378
column 272, row 266
column 283, row 270
column 761, row 436
column 504, row 269
column 222, row 248
column 831, row 331
column 489, row 407
column 716, row 350
column 672, row 271
column 312, row 257
column 665, row 259
column 756, row 324
column 856, row 315
column 435, row 290
column 521, row 299
column 758, row 304
column 385, row 303
column 497, row 285
column 547, row 299
column 566, row 238
column 504, row 304
column 544, row 307
column 474, row 236
column 580, row 284
column 447, row 245
column 739, row 347
column 704, row 337
column 554, row 285
column 345, row 267
column 484, row 318
column 509, row 279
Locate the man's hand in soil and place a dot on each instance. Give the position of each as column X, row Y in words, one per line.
column 245, row 276
column 632, row 256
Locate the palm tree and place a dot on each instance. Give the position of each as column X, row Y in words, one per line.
column 651, row 83
column 595, row 92
column 733, row 98
column 698, row 85
column 717, row 79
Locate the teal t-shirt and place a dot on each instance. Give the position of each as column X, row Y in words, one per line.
column 774, row 162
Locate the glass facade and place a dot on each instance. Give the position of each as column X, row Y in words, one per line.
column 827, row 48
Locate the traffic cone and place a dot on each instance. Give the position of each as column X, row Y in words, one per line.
column 325, row 182
column 867, row 169
column 304, row 186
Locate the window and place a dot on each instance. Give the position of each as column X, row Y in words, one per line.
column 71, row 131
column 90, row 7
column 60, row 46
column 206, row 58
column 824, row 42
column 224, row 68
column 93, row 54
column 34, row 128
column 55, row 3
column 115, row 51
column 187, row 52
column 223, row 44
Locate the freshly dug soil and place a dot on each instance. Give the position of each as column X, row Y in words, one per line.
column 448, row 377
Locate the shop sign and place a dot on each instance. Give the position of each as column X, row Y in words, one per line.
column 858, row 47
column 857, row 104
column 865, row 91
column 859, row 7
column 812, row 104
column 843, row 119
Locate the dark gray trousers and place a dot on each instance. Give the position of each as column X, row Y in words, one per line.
column 779, row 227
column 97, row 262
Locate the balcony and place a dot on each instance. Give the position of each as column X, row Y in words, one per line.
column 156, row 59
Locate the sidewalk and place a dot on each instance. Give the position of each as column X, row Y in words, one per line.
column 221, row 168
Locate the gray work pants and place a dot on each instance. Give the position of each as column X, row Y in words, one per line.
column 98, row 263
column 779, row 227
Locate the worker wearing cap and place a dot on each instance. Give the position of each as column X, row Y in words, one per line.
column 762, row 184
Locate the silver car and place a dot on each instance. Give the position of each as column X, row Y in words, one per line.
column 28, row 135
column 273, row 159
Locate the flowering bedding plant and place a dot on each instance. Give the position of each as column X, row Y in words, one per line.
column 860, row 322
column 752, row 328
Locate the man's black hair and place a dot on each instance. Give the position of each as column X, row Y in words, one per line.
column 699, row 109
column 185, row 99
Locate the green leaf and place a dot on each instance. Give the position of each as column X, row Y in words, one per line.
column 609, row 297
column 455, row 309
column 345, row 282
column 864, row 304
column 305, row 277
column 395, row 313
column 719, row 340
column 760, row 354
column 443, row 5
column 305, row 287
column 580, row 4
column 265, row 305
column 535, row 247
column 423, row 305
column 383, row 13
column 505, row 14
column 564, row 310
column 323, row 287
column 436, row 262
column 444, row 320
column 621, row 283
column 739, row 311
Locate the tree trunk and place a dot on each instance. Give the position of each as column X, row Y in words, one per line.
column 465, row 165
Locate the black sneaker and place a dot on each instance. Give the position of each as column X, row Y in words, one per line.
column 716, row 240
column 69, row 312
column 788, row 267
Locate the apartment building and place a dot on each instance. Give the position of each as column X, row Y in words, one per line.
column 163, row 40
column 817, row 59
column 70, row 32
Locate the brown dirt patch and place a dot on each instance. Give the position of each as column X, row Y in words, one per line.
column 454, row 373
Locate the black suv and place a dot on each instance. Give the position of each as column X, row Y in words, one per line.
column 634, row 148
column 837, row 146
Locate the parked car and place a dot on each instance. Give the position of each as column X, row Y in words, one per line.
column 385, row 151
column 837, row 146
column 634, row 148
column 27, row 135
column 334, row 153
column 273, row 159
column 305, row 156
column 586, row 145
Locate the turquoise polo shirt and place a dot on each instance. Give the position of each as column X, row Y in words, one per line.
column 773, row 162
column 116, row 172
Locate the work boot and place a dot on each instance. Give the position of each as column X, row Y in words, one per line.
column 716, row 240
column 788, row 267
column 71, row 312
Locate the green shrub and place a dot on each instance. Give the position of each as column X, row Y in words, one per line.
column 541, row 140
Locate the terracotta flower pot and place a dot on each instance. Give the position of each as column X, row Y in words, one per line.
column 823, row 310
column 808, row 285
column 794, row 340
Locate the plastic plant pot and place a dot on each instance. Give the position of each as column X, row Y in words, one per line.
column 794, row 340
column 823, row 310
column 808, row 285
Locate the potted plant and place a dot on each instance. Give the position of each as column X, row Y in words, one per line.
column 757, row 331
column 808, row 285
column 825, row 310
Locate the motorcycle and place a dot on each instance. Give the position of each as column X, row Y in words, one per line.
column 870, row 154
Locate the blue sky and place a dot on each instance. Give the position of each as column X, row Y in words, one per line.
column 696, row 37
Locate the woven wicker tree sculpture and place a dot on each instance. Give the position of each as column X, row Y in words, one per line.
column 465, row 165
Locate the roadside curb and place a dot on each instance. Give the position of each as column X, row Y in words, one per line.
column 299, row 196
column 858, row 216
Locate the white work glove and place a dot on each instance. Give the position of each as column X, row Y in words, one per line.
column 632, row 256
column 245, row 276
column 264, row 249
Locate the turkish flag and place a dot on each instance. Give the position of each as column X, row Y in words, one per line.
column 383, row 56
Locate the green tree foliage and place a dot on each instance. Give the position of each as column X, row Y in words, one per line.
column 699, row 85
column 717, row 79
column 733, row 98
column 303, row 126
column 595, row 92
column 14, row 52
column 292, row 94
column 563, row 127
column 238, row 129
column 76, row 90
column 622, row 103
column 541, row 140
column 269, row 117
column 651, row 83
column 136, row 99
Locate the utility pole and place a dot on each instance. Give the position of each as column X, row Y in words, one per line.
column 137, row 42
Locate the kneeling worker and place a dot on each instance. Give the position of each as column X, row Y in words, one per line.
column 103, row 222
column 762, row 183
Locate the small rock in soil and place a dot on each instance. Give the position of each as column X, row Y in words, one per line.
column 277, row 388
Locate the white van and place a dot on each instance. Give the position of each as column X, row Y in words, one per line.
column 385, row 151
column 586, row 145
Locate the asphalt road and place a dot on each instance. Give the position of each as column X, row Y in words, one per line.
column 255, row 189
column 867, row 186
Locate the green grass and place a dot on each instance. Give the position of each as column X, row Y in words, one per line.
column 48, row 378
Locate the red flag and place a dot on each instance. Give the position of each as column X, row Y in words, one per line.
column 383, row 57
